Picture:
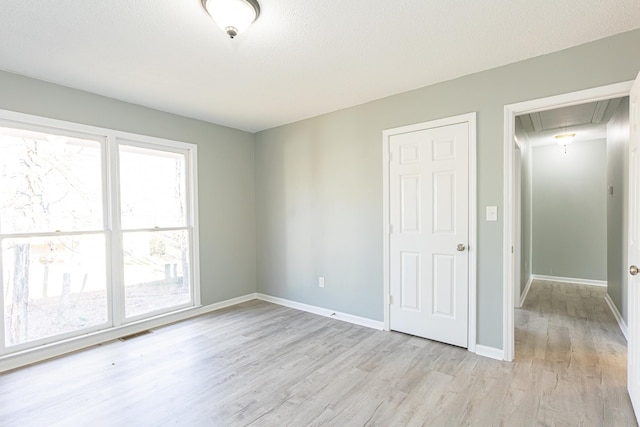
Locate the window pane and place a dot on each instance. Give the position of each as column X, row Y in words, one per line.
column 152, row 188
column 156, row 271
column 49, row 182
column 53, row 285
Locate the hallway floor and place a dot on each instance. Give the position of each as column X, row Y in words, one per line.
column 571, row 361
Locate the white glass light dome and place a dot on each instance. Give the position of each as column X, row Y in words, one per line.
column 233, row 16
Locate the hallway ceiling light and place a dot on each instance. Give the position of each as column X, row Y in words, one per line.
column 565, row 139
column 233, row 16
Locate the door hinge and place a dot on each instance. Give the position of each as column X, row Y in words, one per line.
column 390, row 299
column 390, row 229
column 512, row 250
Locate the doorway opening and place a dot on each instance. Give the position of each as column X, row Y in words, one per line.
column 523, row 121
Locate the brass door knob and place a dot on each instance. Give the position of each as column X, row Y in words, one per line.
column 633, row 270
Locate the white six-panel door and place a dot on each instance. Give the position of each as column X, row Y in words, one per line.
column 633, row 345
column 429, row 233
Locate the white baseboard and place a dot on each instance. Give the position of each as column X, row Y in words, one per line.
column 523, row 297
column 571, row 280
column 480, row 350
column 362, row 321
column 493, row 353
column 617, row 315
column 47, row 351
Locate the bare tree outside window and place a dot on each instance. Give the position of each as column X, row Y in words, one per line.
column 51, row 186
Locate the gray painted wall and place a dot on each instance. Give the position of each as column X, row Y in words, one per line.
column 225, row 166
column 570, row 210
column 525, row 209
column 618, row 176
column 319, row 181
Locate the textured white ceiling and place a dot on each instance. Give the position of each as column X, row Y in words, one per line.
column 298, row 60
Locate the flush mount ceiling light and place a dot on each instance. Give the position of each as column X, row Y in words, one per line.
column 233, row 16
column 565, row 139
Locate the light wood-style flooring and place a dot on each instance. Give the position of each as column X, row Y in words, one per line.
column 260, row 364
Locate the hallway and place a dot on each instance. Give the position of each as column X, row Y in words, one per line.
column 570, row 358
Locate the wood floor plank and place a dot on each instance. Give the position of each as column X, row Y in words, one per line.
column 260, row 364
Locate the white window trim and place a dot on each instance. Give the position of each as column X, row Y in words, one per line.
column 45, row 348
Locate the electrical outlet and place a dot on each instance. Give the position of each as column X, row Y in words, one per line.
column 321, row 282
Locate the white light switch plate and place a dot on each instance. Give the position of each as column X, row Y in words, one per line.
column 492, row 213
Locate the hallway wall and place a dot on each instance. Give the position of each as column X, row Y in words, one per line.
column 525, row 206
column 569, row 210
column 617, row 177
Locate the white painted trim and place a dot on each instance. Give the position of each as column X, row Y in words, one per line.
column 116, row 267
column 350, row 318
column 510, row 112
column 617, row 315
column 38, row 354
column 523, row 297
column 473, row 233
column 517, row 229
column 570, row 280
column 469, row 118
column 493, row 353
column 530, row 213
column 508, row 305
column 386, row 231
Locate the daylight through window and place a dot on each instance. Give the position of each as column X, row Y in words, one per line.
column 95, row 231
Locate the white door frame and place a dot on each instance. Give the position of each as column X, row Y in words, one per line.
column 469, row 118
column 517, row 223
column 510, row 112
